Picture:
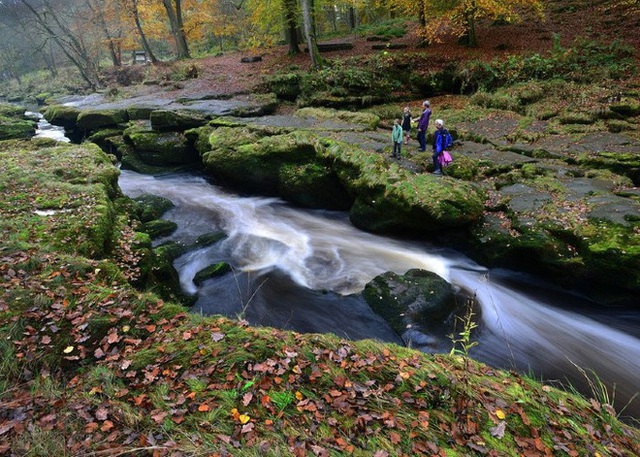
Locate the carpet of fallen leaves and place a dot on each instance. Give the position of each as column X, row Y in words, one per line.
column 92, row 366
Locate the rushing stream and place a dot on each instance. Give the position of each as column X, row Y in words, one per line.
column 301, row 270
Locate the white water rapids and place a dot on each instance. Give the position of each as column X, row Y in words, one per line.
column 297, row 269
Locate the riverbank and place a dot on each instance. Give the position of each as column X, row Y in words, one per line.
column 93, row 365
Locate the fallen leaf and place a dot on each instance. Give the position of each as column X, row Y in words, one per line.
column 498, row 430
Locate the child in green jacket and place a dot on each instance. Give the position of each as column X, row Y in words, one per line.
column 397, row 136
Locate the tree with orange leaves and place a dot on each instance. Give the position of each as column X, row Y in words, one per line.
column 460, row 17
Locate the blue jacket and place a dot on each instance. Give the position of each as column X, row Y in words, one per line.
column 440, row 140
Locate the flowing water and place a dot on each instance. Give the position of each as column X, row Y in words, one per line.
column 302, row 269
column 45, row 129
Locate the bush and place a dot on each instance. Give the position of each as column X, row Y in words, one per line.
column 586, row 61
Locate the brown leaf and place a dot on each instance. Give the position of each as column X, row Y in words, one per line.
column 158, row 416
column 106, row 426
column 102, row 413
column 113, row 337
column 246, row 428
column 498, row 430
column 6, row 426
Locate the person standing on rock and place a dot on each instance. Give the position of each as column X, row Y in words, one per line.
column 423, row 125
column 396, row 137
column 439, row 145
column 406, row 124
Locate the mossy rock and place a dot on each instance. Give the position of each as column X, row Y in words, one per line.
column 92, row 120
column 241, row 157
column 368, row 120
column 309, row 169
column 64, row 116
column 416, row 203
column 133, row 162
column 212, row 271
column 209, row 239
column 313, row 185
column 139, row 113
column 111, row 142
column 570, row 117
column 161, row 148
column 164, row 278
column 286, row 86
column 9, row 110
column 626, row 108
column 159, row 228
column 152, row 207
column 169, row 120
column 12, row 128
column 417, row 297
column 170, row 250
column 263, row 105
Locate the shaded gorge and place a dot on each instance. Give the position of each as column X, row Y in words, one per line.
column 304, row 270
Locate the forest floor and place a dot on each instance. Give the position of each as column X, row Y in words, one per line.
column 602, row 21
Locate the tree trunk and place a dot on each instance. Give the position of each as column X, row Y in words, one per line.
column 291, row 29
column 143, row 36
column 472, row 37
column 114, row 51
column 177, row 27
column 422, row 18
column 309, row 35
column 352, row 18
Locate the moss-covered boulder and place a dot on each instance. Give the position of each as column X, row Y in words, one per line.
column 152, row 207
column 262, row 105
column 209, row 239
column 111, row 141
column 626, row 108
column 572, row 230
column 10, row 110
column 274, row 164
column 368, row 120
column 161, row 149
column 308, row 168
column 164, row 277
column 212, row 271
column 14, row 128
column 176, row 120
column 417, row 297
column 92, row 120
column 159, row 228
column 63, row 116
column 139, row 113
column 626, row 164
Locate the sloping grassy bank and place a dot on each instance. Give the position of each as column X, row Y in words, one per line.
column 92, row 366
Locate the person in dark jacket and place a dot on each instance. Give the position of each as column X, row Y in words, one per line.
column 423, row 125
column 406, row 124
column 439, row 145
